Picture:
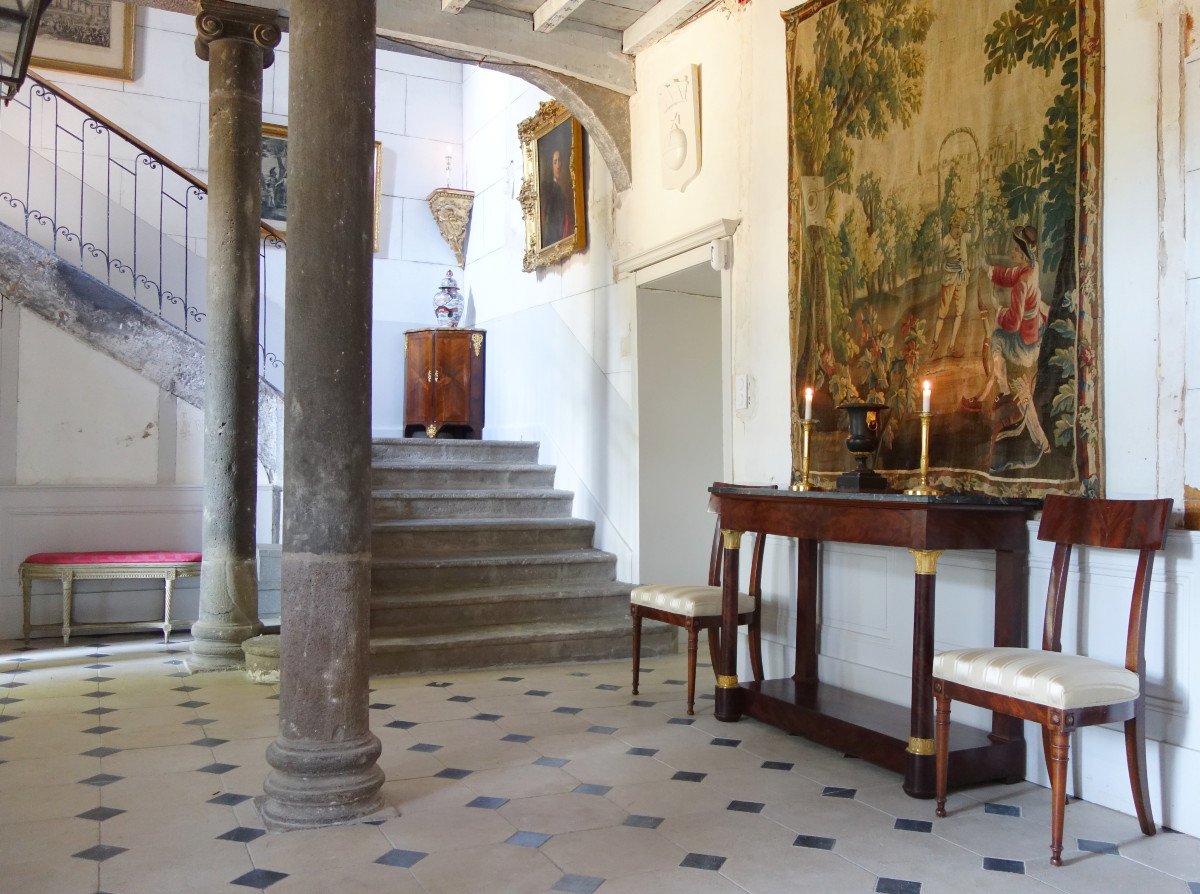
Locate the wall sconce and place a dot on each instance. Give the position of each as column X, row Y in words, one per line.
column 451, row 210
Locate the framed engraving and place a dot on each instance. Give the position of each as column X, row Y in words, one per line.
column 90, row 37
column 552, row 195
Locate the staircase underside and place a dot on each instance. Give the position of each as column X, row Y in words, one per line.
column 478, row 563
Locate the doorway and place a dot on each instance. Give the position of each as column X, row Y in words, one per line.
column 680, row 421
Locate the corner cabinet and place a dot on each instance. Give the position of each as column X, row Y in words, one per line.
column 443, row 382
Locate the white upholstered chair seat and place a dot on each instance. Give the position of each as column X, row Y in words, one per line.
column 692, row 601
column 1045, row 678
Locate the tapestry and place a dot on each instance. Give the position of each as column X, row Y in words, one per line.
column 944, row 226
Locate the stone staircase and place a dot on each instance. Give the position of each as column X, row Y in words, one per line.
column 478, row 563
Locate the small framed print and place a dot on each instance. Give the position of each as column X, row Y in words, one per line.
column 90, row 37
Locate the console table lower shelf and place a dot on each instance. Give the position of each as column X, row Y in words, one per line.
column 878, row 731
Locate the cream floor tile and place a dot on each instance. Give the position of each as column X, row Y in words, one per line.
column 482, row 755
column 310, row 850
column 371, row 878
column 708, row 758
column 620, row 769
column 191, row 867
column 40, row 876
column 845, row 772
column 671, row 798
column 827, row 817
column 625, row 717
column 400, row 763
column 48, row 840
column 547, row 724
column 447, row 732
column 890, row 798
column 171, row 733
column 666, row 736
column 521, row 782
column 568, row 812
column 30, row 803
column 410, row 795
column 54, row 770
column 447, row 829
column 138, row 828
column 606, row 853
column 779, row 869
column 1087, row 873
column 429, row 711
column 498, row 867
column 152, row 791
column 725, row 832
column 1168, row 852
column 243, row 751
column 41, row 705
column 684, row 881
column 762, row 785
column 157, row 760
column 579, row 745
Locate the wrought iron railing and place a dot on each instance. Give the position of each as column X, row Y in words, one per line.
column 94, row 194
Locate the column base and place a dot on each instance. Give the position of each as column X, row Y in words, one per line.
column 313, row 784
column 218, row 647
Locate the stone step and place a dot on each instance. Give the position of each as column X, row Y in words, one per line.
column 471, row 504
column 421, row 613
column 399, row 539
column 396, row 576
column 393, row 475
column 395, row 652
column 423, row 450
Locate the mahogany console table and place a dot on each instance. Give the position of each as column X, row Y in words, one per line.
column 899, row 738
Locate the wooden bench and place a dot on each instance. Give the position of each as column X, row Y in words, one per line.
column 70, row 567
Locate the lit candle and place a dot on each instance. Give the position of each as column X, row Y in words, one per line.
column 925, row 397
column 808, row 393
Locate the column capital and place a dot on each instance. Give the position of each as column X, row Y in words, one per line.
column 223, row 20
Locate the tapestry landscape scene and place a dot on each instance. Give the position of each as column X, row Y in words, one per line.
column 943, row 226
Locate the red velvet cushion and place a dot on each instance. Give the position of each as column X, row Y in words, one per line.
column 113, row 557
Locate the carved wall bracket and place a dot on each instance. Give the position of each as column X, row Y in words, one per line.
column 451, row 210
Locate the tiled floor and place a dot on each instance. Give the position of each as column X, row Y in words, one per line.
column 119, row 773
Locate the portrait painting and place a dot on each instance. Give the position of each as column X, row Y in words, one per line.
column 943, row 205
column 91, row 37
column 273, row 167
column 552, row 195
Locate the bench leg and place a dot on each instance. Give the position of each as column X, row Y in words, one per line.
column 26, row 604
column 168, row 592
column 68, row 585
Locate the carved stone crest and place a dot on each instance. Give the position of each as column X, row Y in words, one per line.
column 451, row 210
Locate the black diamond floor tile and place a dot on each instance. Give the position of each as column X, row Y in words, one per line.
column 490, row 717
column 642, row 752
column 602, row 730
column 682, row 721
column 485, row 803
column 577, row 884
column 101, row 752
column 587, row 788
column 996, row 864
column 242, row 834
column 1002, row 809
column 199, row 721
column 13, row 685
column 689, row 776
column 217, row 769
column 527, row 839
column 567, row 710
column 259, row 878
column 452, row 773
column 99, row 814
column 1098, row 847
column 551, row 761
column 538, row 693
column 438, row 684
column 746, row 806
column 99, row 679
column 209, row 742
column 814, row 841
column 643, row 822
column 402, row 859
column 101, row 779
column 726, row 743
column 380, row 706
column 517, row 737
column 9, row 700
column 511, row 679
column 642, row 703
column 229, row 799
column 710, row 862
column 100, row 852
column 96, row 667
column 400, row 724
column 912, row 825
column 192, row 704
column 897, row 886
column 777, row 765
column 100, row 693
column 186, row 689
column 461, row 698
column 100, row 711
column 675, row 682
column 579, row 674
column 833, row 791
column 608, row 687
column 425, row 747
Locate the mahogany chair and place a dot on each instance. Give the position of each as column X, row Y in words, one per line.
column 696, row 608
column 1066, row 692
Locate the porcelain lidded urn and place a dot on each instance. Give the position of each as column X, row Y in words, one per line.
column 448, row 303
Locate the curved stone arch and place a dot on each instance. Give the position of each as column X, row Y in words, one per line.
column 603, row 113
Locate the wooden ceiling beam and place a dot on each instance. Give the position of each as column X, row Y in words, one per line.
column 550, row 14
column 659, row 21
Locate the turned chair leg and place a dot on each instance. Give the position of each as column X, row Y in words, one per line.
column 754, row 642
column 941, row 760
column 1060, row 743
column 637, row 645
column 1135, row 756
column 693, row 633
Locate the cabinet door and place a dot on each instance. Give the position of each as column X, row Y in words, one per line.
column 418, row 378
column 452, row 378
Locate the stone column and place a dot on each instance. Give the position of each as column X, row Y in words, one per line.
column 324, row 761
column 237, row 41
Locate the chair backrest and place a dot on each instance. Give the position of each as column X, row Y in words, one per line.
column 1112, row 524
column 717, row 556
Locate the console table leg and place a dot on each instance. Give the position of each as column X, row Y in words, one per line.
column 919, row 772
column 727, row 706
column 807, row 569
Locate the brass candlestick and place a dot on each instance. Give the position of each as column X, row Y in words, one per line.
column 803, row 484
column 924, row 489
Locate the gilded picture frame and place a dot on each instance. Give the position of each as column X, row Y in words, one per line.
column 552, row 196
column 944, row 187
column 89, row 37
column 273, row 174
